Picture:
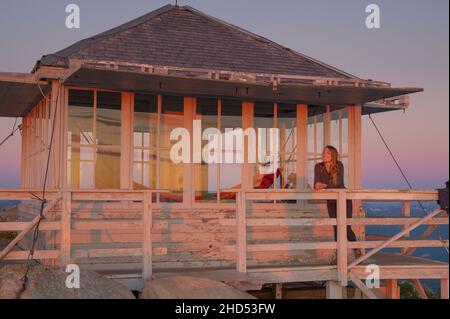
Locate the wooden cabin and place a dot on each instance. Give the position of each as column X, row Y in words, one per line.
column 102, row 111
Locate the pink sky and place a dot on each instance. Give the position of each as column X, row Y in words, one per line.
column 410, row 49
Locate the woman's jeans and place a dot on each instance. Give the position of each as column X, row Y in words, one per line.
column 332, row 212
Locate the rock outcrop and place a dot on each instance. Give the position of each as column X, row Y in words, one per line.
column 50, row 283
column 185, row 287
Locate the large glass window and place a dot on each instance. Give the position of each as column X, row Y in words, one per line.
column 94, row 139
column 145, row 137
column 153, row 168
column 321, row 132
column 276, row 149
column 224, row 116
column 230, row 175
column 287, row 124
column 206, row 175
column 339, row 136
column 170, row 174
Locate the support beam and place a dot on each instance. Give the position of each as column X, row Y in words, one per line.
column 147, row 246
column 302, row 147
column 241, row 238
column 392, row 289
column 365, row 290
column 24, row 232
column 277, row 291
column 406, row 212
column 444, row 288
column 420, row 289
column 334, row 290
column 66, row 223
column 342, row 238
column 396, row 237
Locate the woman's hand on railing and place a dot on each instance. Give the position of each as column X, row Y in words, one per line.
column 320, row 186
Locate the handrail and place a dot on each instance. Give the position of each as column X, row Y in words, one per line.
column 342, row 244
column 241, row 222
column 65, row 225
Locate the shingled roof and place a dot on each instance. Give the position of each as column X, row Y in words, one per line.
column 181, row 36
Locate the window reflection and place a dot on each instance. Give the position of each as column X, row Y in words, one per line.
column 170, row 174
column 206, row 175
column 145, row 141
column 93, row 155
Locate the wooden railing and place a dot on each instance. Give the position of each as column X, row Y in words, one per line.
column 342, row 245
column 62, row 201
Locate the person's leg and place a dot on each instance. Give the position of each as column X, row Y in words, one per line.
column 332, row 213
column 350, row 234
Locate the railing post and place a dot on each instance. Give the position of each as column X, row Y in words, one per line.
column 342, row 237
column 444, row 288
column 66, row 221
column 406, row 211
column 241, row 232
column 147, row 247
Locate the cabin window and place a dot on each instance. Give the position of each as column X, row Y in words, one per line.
column 154, row 119
column 209, row 179
column 339, row 136
column 108, row 137
column 283, row 141
column 36, row 133
column 206, row 176
column 170, row 174
column 287, row 124
column 327, row 126
column 145, row 137
column 94, row 135
column 230, row 175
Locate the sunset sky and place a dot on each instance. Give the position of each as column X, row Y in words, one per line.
column 410, row 49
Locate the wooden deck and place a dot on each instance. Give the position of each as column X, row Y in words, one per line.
column 392, row 266
column 154, row 254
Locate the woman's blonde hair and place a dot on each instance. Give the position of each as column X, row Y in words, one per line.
column 333, row 163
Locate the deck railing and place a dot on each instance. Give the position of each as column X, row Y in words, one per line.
column 62, row 201
column 342, row 245
column 65, row 225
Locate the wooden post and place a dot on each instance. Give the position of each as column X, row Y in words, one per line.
column 126, row 160
column 277, row 291
column 396, row 237
column 420, row 289
column 302, row 149
column 241, row 233
column 342, row 237
column 392, row 289
column 406, row 211
column 444, row 288
column 334, row 290
column 66, row 215
column 27, row 229
column 147, row 247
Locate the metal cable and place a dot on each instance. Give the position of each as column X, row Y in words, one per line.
column 433, row 227
column 42, row 199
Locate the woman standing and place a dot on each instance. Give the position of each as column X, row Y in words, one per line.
column 329, row 174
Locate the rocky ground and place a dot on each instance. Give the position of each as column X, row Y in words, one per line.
column 46, row 282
